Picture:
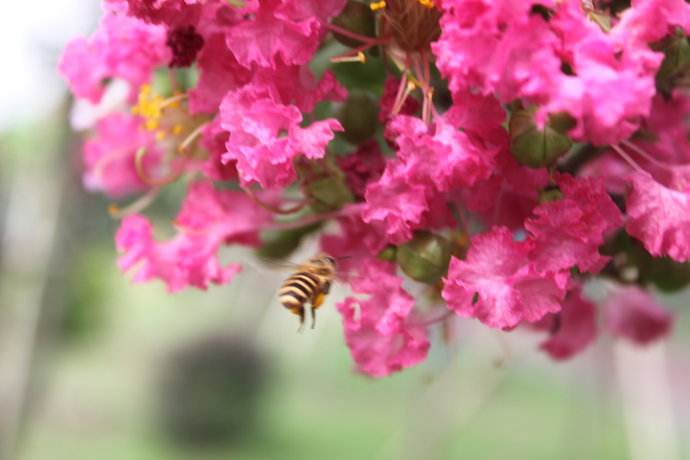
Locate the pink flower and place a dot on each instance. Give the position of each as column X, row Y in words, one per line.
column 613, row 85
column 379, row 330
column 611, row 169
column 651, row 20
column 219, row 72
column 572, row 330
column 480, row 115
column 109, row 157
column 297, row 85
column 498, row 285
column 659, row 217
column 209, row 218
column 361, row 167
column 394, row 207
column 442, row 156
column 633, row 314
column 569, row 231
column 170, row 12
column 496, row 46
column 508, row 197
column 213, row 139
column 122, row 47
column 281, row 31
column 265, row 136
column 355, row 241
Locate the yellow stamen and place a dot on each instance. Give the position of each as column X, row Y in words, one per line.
column 359, row 57
column 177, row 129
column 377, row 5
column 427, row 3
column 149, row 106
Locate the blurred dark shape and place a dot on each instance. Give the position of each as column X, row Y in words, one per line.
column 211, row 392
column 279, row 245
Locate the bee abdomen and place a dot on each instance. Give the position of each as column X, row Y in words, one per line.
column 297, row 289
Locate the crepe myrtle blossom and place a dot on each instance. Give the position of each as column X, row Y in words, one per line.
column 463, row 160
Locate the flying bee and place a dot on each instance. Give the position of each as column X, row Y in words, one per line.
column 310, row 283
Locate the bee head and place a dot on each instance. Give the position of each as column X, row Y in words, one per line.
column 325, row 265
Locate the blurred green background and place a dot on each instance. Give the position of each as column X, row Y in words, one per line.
column 92, row 366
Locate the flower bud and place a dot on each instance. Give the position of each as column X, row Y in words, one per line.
column 536, row 147
column 358, row 18
column 550, row 194
column 425, row 258
column 359, row 117
column 324, row 184
column 388, row 253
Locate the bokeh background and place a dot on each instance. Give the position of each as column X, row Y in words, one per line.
column 92, row 366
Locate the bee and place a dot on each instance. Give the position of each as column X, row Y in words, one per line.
column 310, row 283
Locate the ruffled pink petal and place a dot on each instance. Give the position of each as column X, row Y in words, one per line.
column 568, row 232
column 633, row 314
column 497, row 285
column 209, row 218
column 572, row 330
column 379, row 330
column 659, row 217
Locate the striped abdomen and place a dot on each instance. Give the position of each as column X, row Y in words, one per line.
column 299, row 289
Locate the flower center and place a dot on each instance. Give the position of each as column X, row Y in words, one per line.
column 413, row 24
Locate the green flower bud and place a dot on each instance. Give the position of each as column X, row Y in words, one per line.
column 536, row 147
column 323, row 183
column 550, row 194
column 630, row 257
column 388, row 253
column 425, row 258
column 358, row 18
column 359, row 115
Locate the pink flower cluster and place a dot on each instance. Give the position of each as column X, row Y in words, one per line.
column 508, row 155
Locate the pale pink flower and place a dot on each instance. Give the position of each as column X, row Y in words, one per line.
column 122, row 47
column 209, row 219
column 109, row 156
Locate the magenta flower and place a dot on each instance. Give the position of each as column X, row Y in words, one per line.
column 659, row 217
column 572, row 330
column 633, row 314
column 256, row 124
column 380, row 330
column 568, row 232
column 498, row 285
column 497, row 156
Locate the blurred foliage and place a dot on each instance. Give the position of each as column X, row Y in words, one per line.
column 84, row 307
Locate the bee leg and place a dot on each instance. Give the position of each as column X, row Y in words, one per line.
column 313, row 317
column 300, row 311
